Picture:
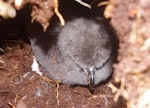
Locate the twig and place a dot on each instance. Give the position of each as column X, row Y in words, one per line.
column 120, row 90
column 103, row 3
column 83, row 3
column 113, row 88
column 62, row 21
column 16, row 98
column 57, row 87
column 57, row 92
column 2, row 50
column 100, row 96
column 11, row 105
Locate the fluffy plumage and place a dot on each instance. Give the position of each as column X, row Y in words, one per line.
column 65, row 53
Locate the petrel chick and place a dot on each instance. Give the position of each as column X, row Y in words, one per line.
column 77, row 54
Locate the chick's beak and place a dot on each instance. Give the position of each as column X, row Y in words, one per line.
column 90, row 72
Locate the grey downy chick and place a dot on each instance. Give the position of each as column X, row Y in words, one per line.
column 81, row 54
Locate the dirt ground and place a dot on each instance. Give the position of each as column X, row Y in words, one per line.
column 20, row 87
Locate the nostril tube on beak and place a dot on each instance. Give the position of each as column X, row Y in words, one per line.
column 90, row 72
